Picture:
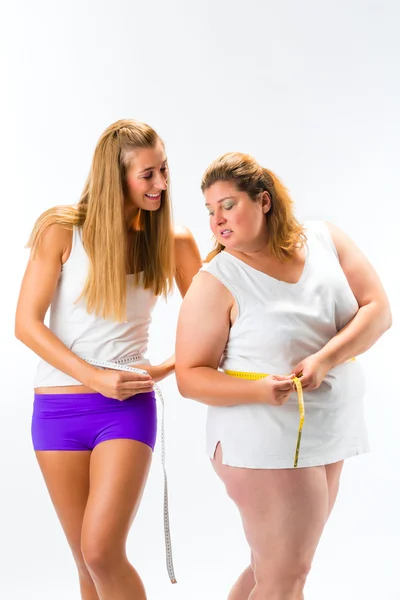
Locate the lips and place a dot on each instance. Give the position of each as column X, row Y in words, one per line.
column 225, row 232
column 153, row 197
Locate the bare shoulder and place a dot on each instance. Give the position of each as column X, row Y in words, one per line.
column 184, row 241
column 339, row 237
column 204, row 323
column 361, row 276
column 209, row 292
column 348, row 252
column 52, row 247
column 182, row 234
column 56, row 240
column 187, row 258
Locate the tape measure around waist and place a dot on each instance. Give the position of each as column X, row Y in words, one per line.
column 300, row 401
column 118, row 366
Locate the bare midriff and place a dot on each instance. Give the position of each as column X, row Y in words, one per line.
column 65, row 389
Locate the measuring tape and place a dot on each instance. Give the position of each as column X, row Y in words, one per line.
column 120, row 366
column 300, row 401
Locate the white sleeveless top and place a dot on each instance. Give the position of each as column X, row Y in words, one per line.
column 89, row 335
column 279, row 324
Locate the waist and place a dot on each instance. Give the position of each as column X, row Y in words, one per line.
column 252, row 365
column 244, row 364
column 50, row 380
column 63, row 389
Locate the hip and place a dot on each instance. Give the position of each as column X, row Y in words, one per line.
column 69, row 405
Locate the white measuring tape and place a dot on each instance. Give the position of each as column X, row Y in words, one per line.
column 121, row 366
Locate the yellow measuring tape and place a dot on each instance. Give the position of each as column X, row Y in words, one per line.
column 300, row 400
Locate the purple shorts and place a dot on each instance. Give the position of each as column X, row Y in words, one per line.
column 81, row 421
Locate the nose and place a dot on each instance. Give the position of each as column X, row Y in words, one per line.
column 218, row 219
column 160, row 181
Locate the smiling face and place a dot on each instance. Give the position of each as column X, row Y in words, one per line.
column 237, row 221
column 146, row 178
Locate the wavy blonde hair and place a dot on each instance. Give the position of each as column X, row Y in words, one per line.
column 100, row 214
column 285, row 232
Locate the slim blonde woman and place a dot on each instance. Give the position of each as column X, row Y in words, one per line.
column 100, row 266
column 281, row 299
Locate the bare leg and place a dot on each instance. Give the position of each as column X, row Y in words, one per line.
column 281, row 510
column 243, row 585
column 118, row 473
column 67, row 479
column 333, row 472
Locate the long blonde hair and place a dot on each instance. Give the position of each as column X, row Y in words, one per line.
column 100, row 214
column 285, row 232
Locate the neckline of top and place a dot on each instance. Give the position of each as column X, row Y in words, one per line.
column 270, row 277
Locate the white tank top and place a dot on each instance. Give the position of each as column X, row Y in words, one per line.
column 89, row 335
column 279, row 323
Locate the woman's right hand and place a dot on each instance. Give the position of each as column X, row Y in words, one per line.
column 275, row 389
column 120, row 385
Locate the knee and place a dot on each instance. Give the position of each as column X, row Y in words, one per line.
column 297, row 573
column 81, row 565
column 286, row 578
column 99, row 558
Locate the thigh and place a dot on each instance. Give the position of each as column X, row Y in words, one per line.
column 333, row 472
column 135, row 419
column 283, row 512
column 118, row 474
column 66, row 474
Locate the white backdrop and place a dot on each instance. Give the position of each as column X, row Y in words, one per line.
column 311, row 89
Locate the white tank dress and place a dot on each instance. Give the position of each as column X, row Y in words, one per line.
column 279, row 324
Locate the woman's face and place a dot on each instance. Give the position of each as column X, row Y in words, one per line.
column 147, row 177
column 237, row 222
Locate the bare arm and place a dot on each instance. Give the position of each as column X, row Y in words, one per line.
column 203, row 331
column 37, row 290
column 187, row 259
column 373, row 317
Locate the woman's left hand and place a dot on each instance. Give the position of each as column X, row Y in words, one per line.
column 156, row 372
column 311, row 372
